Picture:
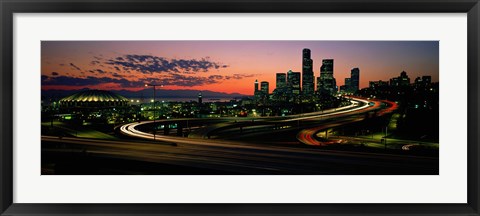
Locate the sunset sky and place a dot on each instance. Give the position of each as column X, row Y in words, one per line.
column 224, row 66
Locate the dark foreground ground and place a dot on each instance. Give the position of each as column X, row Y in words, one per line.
column 76, row 156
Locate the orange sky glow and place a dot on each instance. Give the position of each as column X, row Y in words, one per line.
column 224, row 66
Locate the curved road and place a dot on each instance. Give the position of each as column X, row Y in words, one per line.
column 130, row 129
column 308, row 136
column 225, row 156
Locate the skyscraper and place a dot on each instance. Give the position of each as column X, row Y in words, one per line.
column 200, row 97
column 256, row 92
column 293, row 83
column 376, row 84
column 319, row 84
column 348, row 83
column 427, row 79
column 424, row 81
column 327, row 83
column 281, row 80
column 307, row 73
column 402, row 80
column 264, row 87
column 280, row 91
column 355, row 80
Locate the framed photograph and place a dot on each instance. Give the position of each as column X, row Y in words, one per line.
column 239, row 108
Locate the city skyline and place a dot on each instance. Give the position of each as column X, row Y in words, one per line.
column 225, row 66
column 318, row 108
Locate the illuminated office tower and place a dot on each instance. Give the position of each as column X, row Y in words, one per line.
column 327, row 83
column 256, row 91
column 280, row 91
column 281, row 81
column 348, row 84
column 377, row 84
column 402, row 80
column 427, row 80
column 264, row 87
column 354, row 80
column 307, row 73
column 293, row 83
column 424, row 81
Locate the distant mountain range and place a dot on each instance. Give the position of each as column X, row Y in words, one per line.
column 148, row 93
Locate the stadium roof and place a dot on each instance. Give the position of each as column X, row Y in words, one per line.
column 94, row 96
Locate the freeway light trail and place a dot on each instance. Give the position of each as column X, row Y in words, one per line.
column 338, row 111
column 308, row 136
column 130, row 129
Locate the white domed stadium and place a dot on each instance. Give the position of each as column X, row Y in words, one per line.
column 93, row 99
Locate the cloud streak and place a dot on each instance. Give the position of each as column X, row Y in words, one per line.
column 170, row 80
column 133, row 71
column 149, row 64
column 100, row 71
column 87, row 81
column 74, row 66
column 239, row 76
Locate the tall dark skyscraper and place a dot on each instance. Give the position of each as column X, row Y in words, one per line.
column 200, row 97
column 256, row 91
column 280, row 91
column 319, row 84
column 281, row 80
column 355, row 80
column 307, row 73
column 327, row 83
column 293, row 83
column 264, row 87
column 348, row 83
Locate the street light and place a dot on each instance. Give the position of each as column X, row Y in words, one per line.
column 154, row 107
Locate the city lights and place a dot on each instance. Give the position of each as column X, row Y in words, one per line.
column 302, row 108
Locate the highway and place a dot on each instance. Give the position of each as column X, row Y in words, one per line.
column 308, row 136
column 358, row 105
column 229, row 157
column 392, row 143
column 219, row 156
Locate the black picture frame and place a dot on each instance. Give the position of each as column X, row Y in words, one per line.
column 9, row 7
